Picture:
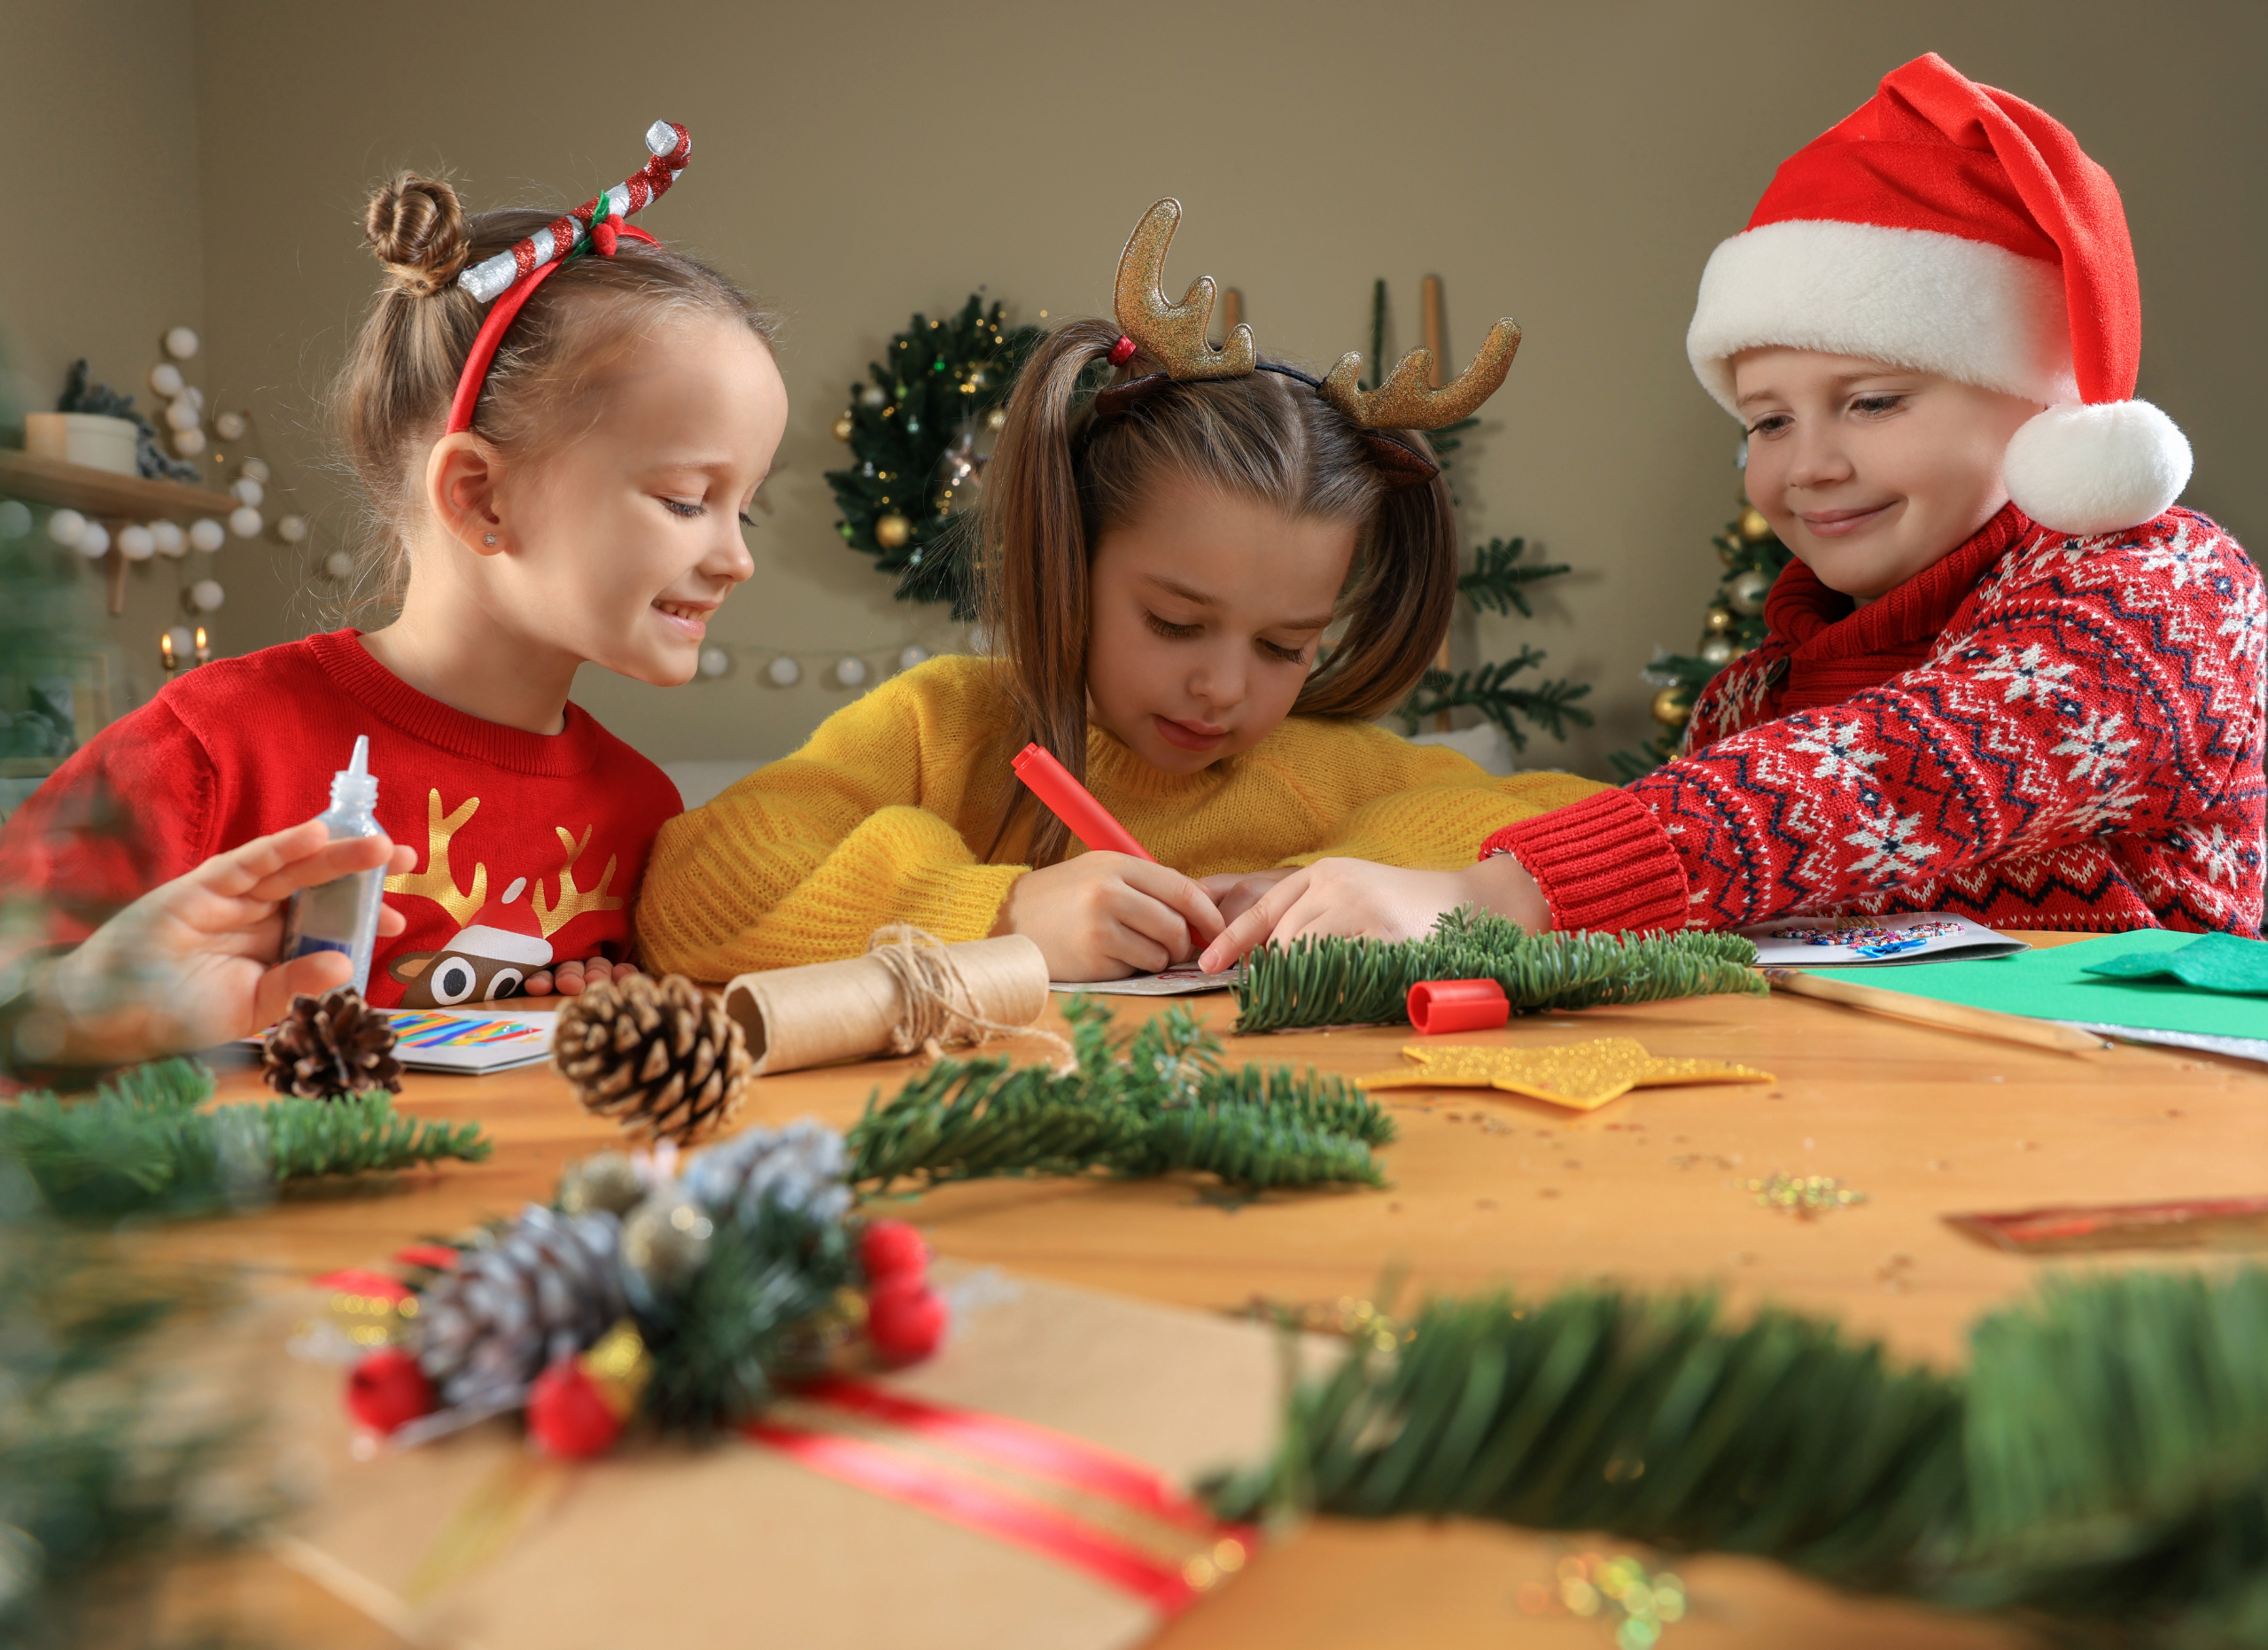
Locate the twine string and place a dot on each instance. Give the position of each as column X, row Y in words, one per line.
column 940, row 1005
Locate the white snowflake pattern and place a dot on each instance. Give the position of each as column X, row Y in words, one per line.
column 2104, row 811
column 2096, row 744
column 2028, row 673
column 1891, row 852
column 2220, row 855
column 1842, row 758
column 2246, row 627
column 2181, row 558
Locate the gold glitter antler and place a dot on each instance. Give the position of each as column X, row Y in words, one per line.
column 1404, row 402
column 1173, row 335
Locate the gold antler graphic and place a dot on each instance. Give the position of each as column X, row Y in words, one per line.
column 1173, row 335
column 435, row 882
column 1403, row 402
column 573, row 901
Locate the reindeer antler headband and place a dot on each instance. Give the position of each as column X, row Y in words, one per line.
column 1174, row 335
column 511, row 276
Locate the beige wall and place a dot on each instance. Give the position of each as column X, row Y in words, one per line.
column 1569, row 164
column 99, row 136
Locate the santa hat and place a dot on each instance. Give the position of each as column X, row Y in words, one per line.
column 506, row 929
column 1950, row 227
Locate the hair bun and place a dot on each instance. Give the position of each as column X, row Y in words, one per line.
column 417, row 228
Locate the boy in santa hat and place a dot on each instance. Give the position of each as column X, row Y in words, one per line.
column 2005, row 677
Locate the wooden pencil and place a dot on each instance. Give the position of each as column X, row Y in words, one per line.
column 1952, row 1016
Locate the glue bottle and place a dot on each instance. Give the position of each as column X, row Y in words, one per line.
column 343, row 914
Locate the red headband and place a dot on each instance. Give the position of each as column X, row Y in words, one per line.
column 511, row 276
column 506, row 311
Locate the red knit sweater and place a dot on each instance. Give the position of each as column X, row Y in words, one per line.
column 530, row 847
column 2038, row 731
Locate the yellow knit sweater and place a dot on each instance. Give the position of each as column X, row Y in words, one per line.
column 887, row 814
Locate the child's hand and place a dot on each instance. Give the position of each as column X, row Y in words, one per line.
column 1355, row 898
column 1102, row 916
column 572, row 979
column 189, row 964
column 1236, row 892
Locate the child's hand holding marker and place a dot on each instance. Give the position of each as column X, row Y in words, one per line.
column 1111, row 911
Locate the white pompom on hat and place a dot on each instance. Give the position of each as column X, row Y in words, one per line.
column 1951, row 228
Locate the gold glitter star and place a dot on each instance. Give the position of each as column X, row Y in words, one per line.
column 1584, row 1076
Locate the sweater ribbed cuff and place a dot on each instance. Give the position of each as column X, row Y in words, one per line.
column 1604, row 864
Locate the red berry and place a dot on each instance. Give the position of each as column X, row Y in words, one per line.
column 388, row 1388
column 892, row 1250
column 905, row 1320
column 568, row 1415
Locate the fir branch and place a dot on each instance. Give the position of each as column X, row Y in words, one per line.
column 141, row 1145
column 1157, row 1102
column 2102, row 1464
column 1367, row 982
column 1496, row 583
column 744, row 1320
column 359, row 1134
column 1549, row 706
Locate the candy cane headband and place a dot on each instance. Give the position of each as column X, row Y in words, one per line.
column 511, row 277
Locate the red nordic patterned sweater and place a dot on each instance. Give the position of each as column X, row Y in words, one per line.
column 2039, row 731
column 530, row 847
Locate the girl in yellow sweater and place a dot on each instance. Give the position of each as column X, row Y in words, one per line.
column 1161, row 560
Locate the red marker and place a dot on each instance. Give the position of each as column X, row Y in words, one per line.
column 1074, row 804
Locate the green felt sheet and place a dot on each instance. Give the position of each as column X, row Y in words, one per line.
column 2215, row 962
column 2051, row 983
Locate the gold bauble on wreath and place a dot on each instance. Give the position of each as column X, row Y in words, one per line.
column 997, row 420
column 844, row 427
column 892, row 531
column 1673, row 706
column 1719, row 621
column 1753, row 527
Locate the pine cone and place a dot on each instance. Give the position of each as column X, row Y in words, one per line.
column 660, row 1057
column 799, row 1167
column 334, row 1044
column 549, row 1287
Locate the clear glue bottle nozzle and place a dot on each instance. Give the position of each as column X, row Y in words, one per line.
column 354, row 787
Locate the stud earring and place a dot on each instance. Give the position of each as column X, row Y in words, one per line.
column 488, row 538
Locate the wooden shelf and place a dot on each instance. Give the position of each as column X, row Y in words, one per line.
column 105, row 492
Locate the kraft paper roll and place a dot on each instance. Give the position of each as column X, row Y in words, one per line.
column 906, row 993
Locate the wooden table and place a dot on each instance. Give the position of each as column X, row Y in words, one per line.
column 1489, row 1190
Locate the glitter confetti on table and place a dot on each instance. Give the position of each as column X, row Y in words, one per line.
column 1806, row 1196
column 1583, row 1076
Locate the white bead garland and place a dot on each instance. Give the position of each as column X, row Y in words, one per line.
column 180, row 342
column 208, row 535
column 169, row 539
column 93, row 542
column 245, row 522
column 137, row 542
column 206, row 595
column 783, row 671
column 65, row 526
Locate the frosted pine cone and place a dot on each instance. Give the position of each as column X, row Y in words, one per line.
column 549, row 1287
column 661, row 1057
column 333, row 1045
column 799, row 1167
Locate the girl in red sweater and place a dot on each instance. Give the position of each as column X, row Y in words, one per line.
column 558, row 424
column 2004, row 676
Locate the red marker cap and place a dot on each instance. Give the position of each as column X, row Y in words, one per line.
column 1438, row 1007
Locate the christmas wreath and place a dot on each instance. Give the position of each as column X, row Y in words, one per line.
column 920, row 430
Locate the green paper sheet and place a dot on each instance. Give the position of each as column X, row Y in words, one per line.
column 2219, row 962
column 2051, row 983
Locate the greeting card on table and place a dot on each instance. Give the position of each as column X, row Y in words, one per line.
column 1166, row 983
column 442, row 1039
column 1802, row 942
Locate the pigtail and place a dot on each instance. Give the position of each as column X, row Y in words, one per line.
column 1399, row 602
column 1033, row 577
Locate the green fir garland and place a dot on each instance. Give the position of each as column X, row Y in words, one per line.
column 912, row 427
column 143, row 1144
column 2102, row 1464
column 1158, row 1102
column 1367, row 982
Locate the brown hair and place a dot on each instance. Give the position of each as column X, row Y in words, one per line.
column 1060, row 478
column 391, row 396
